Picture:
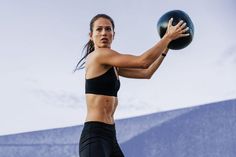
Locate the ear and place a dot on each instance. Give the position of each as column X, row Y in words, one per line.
column 90, row 36
column 114, row 35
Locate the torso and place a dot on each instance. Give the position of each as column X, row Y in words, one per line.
column 99, row 107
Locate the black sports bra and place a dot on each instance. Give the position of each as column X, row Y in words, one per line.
column 105, row 84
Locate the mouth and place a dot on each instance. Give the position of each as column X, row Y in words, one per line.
column 104, row 40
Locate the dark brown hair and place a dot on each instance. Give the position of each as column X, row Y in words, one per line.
column 89, row 46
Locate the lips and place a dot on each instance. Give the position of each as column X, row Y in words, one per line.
column 104, row 39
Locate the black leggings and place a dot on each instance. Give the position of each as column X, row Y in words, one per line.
column 98, row 139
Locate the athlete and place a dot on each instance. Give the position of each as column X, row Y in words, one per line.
column 103, row 66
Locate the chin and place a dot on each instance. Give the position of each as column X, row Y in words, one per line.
column 104, row 46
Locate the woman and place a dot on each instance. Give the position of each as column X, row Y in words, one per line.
column 103, row 67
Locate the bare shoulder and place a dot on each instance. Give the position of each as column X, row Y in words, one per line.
column 93, row 66
column 105, row 52
column 107, row 56
column 100, row 56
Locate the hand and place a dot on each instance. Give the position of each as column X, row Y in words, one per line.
column 177, row 31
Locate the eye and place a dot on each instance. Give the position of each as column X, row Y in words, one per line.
column 108, row 29
column 99, row 29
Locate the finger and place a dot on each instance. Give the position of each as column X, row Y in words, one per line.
column 185, row 30
column 170, row 22
column 183, row 25
column 184, row 35
column 179, row 23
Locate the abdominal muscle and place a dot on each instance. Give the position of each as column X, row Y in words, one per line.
column 101, row 108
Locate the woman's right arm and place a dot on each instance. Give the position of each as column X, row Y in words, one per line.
column 110, row 57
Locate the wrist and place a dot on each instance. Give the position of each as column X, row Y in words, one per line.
column 163, row 54
column 167, row 38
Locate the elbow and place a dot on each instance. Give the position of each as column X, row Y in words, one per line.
column 147, row 75
column 144, row 64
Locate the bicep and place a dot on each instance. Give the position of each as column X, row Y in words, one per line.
column 113, row 58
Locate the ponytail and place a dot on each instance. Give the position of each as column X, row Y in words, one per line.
column 88, row 48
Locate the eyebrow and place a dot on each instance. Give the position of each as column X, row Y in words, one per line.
column 103, row 26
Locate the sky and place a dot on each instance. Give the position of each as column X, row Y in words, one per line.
column 41, row 42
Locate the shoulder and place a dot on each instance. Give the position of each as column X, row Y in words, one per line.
column 99, row 55
column 107, row 56
column 104, row 53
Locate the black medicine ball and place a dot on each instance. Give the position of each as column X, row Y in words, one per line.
column 177, row 16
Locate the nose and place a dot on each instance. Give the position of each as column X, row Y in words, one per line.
column 104, row 32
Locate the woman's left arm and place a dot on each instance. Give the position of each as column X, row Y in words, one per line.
column 143, row 73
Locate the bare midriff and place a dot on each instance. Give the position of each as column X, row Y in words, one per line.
column 101, row 108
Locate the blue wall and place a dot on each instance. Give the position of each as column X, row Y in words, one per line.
column 203, row 131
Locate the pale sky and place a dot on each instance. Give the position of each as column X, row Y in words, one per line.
column 41, row 42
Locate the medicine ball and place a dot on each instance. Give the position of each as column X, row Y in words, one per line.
column 177, row 16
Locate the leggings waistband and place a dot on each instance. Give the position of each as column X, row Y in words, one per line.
column 95, row 124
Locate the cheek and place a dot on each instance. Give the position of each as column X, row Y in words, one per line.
column 111, row 36
column 93, row 37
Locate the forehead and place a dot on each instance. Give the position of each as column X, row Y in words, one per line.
column 102, row 22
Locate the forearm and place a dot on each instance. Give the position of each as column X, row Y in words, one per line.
column 152, row 54
column 143, row 73
column 156, row 64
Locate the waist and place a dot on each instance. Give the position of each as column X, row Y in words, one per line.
column 100, row 117
column 98, row 124
column 100, row 127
